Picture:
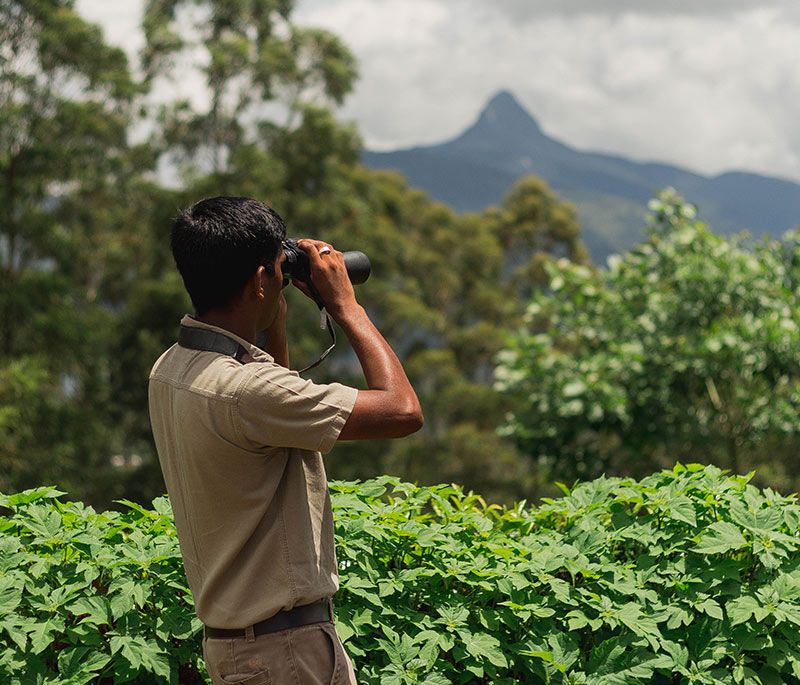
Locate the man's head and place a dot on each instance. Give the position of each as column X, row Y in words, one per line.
column 218, row 245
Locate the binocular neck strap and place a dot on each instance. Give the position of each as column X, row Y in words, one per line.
column 195, row 338
column 207, row 340
column 324, row 322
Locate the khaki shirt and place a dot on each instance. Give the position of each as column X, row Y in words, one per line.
column 240, row 448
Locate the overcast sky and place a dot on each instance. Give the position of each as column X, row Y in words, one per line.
column 712, row 85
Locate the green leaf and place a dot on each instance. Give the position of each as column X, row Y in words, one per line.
column 720, row 537
column 28, row 496
column 767, row 518
column 43, row 521
column 163, row 506
column 96, row 610
column 177, row 622
column 682, row 508
column 81, row 664
column 141, row 654
column 577, row 620
column 482, row 645
column 452, row 617
column 712, row 608
column 544, row 656
column 566, row 650
column 41, row 635
column 678, row 616
column 10, row 594
column 742, row 609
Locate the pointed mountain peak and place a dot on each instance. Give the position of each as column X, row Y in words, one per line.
column 503, row 112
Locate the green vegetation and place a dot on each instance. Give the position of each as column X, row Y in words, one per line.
column 687, row 576
column 685, row 348
column 87, row 597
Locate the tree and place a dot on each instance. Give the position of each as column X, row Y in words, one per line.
column 69, row 200
column 64, row 106
column 249, row 54
column 684, row 349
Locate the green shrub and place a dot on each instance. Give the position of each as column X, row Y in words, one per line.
column 87, row 597
column 685, row 576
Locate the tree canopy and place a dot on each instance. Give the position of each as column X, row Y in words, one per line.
column 66, row 101
column 685, row 348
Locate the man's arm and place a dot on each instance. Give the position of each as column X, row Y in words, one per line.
column 389, row 408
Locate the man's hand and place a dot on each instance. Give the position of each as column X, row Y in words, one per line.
column 329, row 276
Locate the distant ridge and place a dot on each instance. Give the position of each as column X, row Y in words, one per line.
column 610, row 192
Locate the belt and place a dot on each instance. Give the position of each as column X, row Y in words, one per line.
column 304, row 615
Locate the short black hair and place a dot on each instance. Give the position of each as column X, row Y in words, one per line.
column 219, row 243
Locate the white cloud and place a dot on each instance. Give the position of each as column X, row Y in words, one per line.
column 713, row 91
column 523, row 9
column 388, row 24
column 711, row 85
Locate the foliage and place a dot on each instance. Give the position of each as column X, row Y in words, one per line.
column 50, row 140
column 66, row 100
column 687, row 576
column 686, row 347
column 87, row 597
column 251, row 54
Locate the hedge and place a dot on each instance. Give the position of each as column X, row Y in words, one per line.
column 687, row 576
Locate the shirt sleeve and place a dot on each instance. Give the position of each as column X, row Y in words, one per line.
column 277, row 408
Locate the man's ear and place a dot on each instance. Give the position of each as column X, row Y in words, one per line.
column 256, row 283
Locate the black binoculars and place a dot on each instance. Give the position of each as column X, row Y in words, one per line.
column 296, row 264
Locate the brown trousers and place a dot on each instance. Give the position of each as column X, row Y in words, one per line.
column 309, row 655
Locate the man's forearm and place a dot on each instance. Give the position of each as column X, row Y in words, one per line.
column 390, row 407
column 382, row 369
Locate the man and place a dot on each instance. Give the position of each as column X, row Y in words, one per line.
column 240, row 436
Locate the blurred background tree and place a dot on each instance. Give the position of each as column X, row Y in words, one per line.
column 684, row 349
column 66, row 100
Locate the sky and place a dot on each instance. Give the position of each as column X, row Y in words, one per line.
column 711, row 85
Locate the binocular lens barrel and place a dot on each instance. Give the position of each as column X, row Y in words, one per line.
column 357, row 265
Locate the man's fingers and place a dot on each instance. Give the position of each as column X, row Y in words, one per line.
column 313, row 247
column 320, row 253
column 328, row 274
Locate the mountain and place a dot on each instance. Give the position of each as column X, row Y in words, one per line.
column 610, row 192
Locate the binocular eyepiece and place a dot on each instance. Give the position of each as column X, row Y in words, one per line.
column 296, row 264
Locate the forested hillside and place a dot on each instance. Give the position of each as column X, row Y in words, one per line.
column 610, row 192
